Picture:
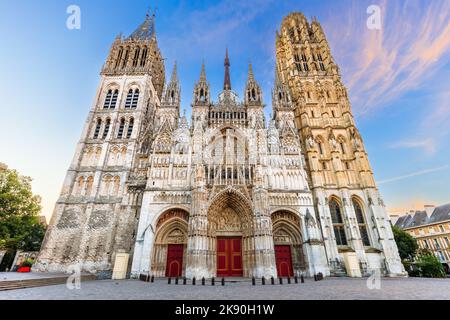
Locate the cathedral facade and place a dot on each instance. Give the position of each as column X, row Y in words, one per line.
column 228, row 193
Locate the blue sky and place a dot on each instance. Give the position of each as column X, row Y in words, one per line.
column 398, row 77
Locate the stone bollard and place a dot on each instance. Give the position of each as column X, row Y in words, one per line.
column 302, row 279
column 289, row 280
column 169, row 281
column 203, row 281
column 213, row 281
column 176, row 280
column 296, row 279
column 184, row 281
column 253, row 281
column 263, row 281
column 223, row 281
column 193, row 281
column 281, row 280
column 272, row 280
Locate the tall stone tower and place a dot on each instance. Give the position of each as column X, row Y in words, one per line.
column 96, row 214
column 353, row 218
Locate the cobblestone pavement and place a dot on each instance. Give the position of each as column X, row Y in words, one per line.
column 328, row 289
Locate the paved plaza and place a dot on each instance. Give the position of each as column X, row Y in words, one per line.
column 328, row 289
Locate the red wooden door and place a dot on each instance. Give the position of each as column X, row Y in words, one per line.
column 284, row 261
column 229, row 257
column 174, row 265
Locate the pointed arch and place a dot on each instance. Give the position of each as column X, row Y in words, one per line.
column 358, row 207
column 337, row 220
column 171, row 230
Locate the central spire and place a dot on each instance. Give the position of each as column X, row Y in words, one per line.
column 227, row 81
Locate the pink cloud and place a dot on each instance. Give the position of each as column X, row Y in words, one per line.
column 381, row 65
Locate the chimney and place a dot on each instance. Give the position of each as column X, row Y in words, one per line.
column 429, row 208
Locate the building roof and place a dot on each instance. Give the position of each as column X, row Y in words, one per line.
column 146, row 30
column 420, row 218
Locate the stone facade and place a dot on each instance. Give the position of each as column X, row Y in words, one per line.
column 147, row 182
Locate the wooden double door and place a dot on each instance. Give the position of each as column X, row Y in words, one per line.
column 283, row 259
column 174, row 265
column 229, row 257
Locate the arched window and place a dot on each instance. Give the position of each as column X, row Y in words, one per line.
column 108, row 100
column 97, row 128
column 106, row 130
column 305, row 62
column 119, row 57
column 132, row 99
column 144, row 56
column 121, row 128
column 135, row 100
column 298, row 63
column 322, row 66
column 79, row 186
column 125, row 60
column 342, row 147
column 320, row 146
column 129, row 98
column 114, row 99
column 136, row 57
column 361, row 222
column 130, row 128
column 89, row 183
column 338, row 223
column 116, row 185
column 123, row 155
column 106, row 185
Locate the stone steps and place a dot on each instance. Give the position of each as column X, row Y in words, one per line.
column 42, row 282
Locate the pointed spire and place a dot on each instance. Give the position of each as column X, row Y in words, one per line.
column 251, row 76
column 174, row 77
column 277, row 75
column 227, row 81
column 146, row 30
column 203, row 72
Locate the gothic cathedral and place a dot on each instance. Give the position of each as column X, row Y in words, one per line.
column 228, row 193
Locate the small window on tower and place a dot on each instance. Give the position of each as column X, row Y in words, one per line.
column 322, row 66
column 119, row 57
column 129, row 99
column 130, row 128
column 298, row 64
column 134, row 103
column 114, row 99
column 136, row 57
column 144, row 57
column 106, row 131
column 108, row 100
column 97, row 128
column 121, row 128
column 305, row 62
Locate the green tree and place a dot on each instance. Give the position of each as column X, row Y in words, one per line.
column 407, row 244
column 429, row 265
column 20, row 228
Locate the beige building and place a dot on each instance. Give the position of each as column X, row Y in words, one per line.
column 431, row 228
column 228, row 193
